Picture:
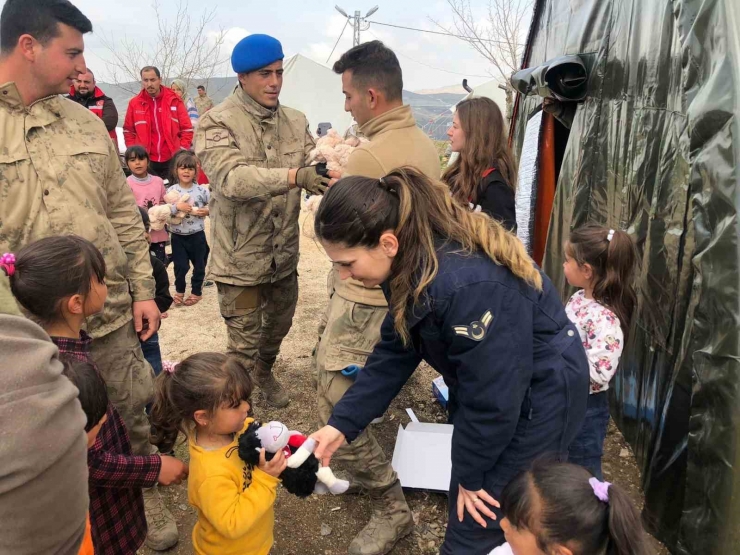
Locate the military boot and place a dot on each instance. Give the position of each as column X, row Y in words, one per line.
column 391, row 521
column 272, row 390
column 161, row 527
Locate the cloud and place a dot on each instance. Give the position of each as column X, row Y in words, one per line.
column 232, row 36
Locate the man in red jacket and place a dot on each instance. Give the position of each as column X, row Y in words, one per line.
column 86, row 92
column 157, row 120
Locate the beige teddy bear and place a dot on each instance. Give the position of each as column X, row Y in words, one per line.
column 334, row 150
column 161, row 215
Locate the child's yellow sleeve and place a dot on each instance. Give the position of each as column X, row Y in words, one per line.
column 232, row 512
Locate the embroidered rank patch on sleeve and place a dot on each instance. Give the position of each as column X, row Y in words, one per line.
column 217, row 137
column 475, row 330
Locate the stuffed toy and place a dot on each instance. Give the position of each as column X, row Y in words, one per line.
column 334, row 150
column 159, row 216
column 304, row 475
column 173, row 197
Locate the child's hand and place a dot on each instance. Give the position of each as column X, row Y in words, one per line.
column 200, row 212
column 173, row 471
column 184, row 207
column 274, row 467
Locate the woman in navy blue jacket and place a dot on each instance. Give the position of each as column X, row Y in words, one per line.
column 464, row 296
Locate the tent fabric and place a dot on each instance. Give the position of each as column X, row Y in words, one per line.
column 316, row 91
column 489, row 90
column 655, row 150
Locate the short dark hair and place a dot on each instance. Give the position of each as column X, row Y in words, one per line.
column 145, row 218
column 136, row 152
column 38, row 18
column 150, row 68
column 373, row 64
column 93, row 395
column 184, row 159
column 200, row 88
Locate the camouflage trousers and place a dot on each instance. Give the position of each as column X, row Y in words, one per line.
column 129, row 378
column 258, row 318
column 350, row 333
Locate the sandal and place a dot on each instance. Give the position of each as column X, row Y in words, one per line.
column 177, row 300
column 193, row 299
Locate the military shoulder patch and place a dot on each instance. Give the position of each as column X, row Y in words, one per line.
column 475, row 330
column 216, row 137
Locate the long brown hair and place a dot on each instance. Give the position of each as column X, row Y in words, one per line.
column 356, row 211
column 485, row 147
column 613, row 263
column 556, row 503
column 204, row 381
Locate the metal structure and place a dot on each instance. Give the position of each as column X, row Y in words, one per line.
column 359, row 23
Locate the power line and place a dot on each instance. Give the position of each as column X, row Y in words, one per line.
column 433, row 67
column 443, row 34
column 340, row 38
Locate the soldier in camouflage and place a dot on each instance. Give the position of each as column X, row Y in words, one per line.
column 254, row 151
column 60, row 174
column 203, row 102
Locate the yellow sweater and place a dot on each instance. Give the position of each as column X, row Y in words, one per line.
column 235, row 509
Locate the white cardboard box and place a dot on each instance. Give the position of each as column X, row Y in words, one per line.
column 422, row 456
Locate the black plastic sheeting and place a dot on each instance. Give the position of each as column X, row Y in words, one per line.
column 655, row 150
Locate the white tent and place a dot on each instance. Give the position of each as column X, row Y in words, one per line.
column 315, row 90
column 490, row 90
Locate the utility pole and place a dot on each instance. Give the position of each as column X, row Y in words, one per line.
column 358, row 22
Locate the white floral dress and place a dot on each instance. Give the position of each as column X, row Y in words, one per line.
column 601, row 335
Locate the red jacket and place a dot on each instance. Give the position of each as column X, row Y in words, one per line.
column 174, row 123
column 100, row 105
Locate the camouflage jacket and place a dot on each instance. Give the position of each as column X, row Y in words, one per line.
column 60, row 175
column 246, row 151
column 203, row 104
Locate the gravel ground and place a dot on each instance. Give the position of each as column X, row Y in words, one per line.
column 325, row 525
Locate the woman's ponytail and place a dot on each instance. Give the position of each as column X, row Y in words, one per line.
column 626, row 534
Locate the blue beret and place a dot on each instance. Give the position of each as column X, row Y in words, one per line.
column 255, row 52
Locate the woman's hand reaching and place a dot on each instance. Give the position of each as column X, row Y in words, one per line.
column 329, row 439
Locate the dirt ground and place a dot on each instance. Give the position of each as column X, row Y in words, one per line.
column 325, row 525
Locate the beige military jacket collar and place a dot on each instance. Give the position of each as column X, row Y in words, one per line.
column 255, row 108
column 44, row 111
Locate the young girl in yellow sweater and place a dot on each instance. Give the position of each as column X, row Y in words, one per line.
column 206, row 397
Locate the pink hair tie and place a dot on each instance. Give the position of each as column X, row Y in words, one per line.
column 7, row 261
column 169, row 366
column 601, row 489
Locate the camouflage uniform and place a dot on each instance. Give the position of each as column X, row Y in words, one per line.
column 246, row 151
column 203, row 104
column 60, row 174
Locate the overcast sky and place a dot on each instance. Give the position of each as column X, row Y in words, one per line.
column 307, row 27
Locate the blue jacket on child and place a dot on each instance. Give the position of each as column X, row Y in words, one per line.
column 513, row 362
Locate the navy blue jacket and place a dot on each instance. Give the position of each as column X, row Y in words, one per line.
column 514, row 364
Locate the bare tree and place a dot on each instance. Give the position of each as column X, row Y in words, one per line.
column 183, row 48
column 498, row 37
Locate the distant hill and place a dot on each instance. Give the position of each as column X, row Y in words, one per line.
column 452, row 89
column 427, row 108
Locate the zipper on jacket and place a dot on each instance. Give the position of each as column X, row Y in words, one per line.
column 159, row 132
